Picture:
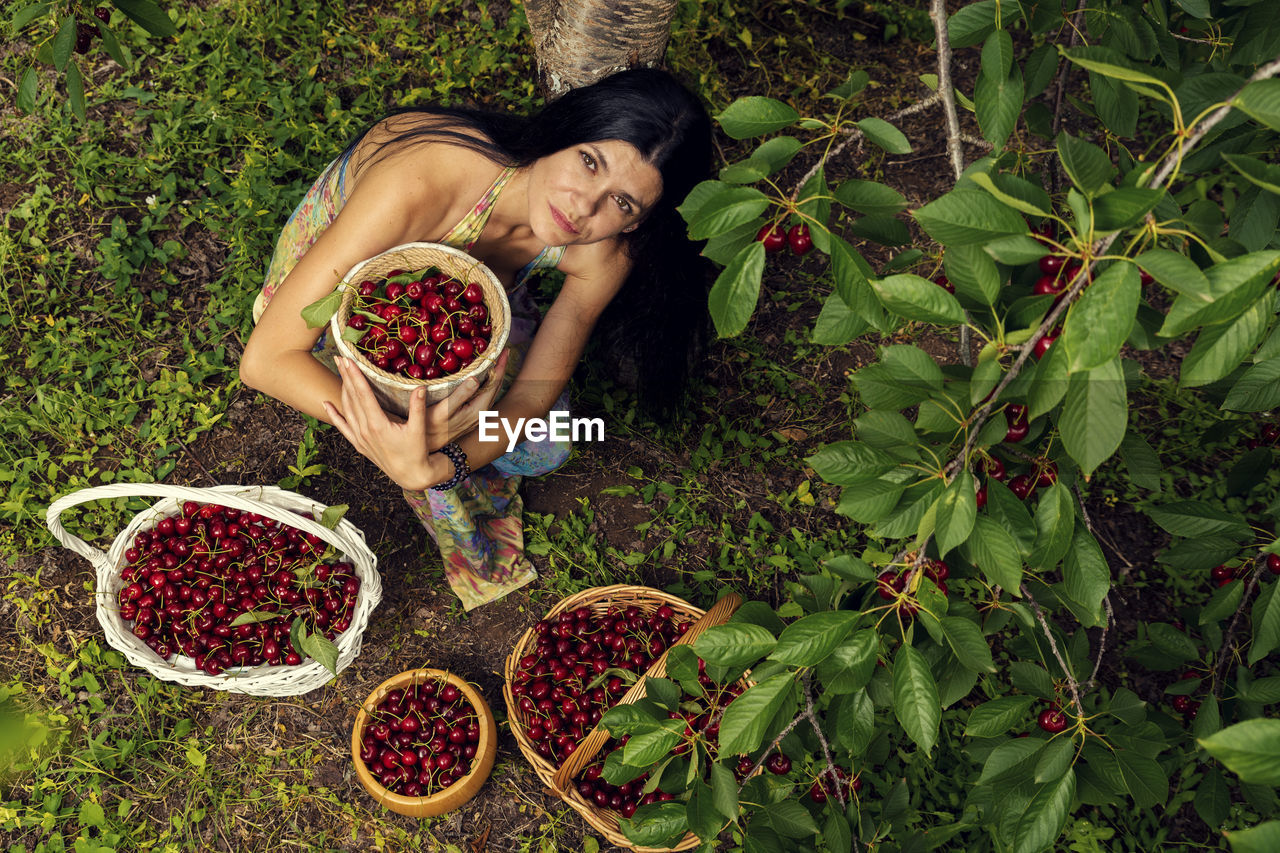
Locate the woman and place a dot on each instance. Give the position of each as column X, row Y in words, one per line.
column 587, row 185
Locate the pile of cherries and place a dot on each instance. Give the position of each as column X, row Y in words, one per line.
column 776, row 238
column 420, row 325
column 701, row 716
column 190, row 579
column 1269, row 436
column 421, row 738
column 580, row 666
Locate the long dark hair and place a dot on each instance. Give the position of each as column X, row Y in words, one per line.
column 659, row 318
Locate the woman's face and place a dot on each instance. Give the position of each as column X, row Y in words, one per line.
column 591, row 192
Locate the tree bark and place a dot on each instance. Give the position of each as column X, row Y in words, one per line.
column 576, row 42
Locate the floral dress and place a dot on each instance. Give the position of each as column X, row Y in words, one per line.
column 478, row 525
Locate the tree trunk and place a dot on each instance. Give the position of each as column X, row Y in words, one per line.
column 577, row 42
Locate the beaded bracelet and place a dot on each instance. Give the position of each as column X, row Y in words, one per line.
column 461, row 470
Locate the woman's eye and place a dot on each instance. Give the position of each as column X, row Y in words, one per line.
column 623, row 204
column 589, row 161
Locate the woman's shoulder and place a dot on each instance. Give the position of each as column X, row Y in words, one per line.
column 390, row 154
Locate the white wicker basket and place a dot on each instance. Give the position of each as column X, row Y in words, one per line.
column 267, row 501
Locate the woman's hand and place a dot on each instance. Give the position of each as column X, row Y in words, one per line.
column 402, row 448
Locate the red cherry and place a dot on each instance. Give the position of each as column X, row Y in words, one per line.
column 1047, row 474
column 778, row 764
column 1050, row 264
column 799, row 239
column 462, row 348
column 945, row 283
column 1052, row 720
column 102, row 13
column 1017, row 432
column 774, row 238
column 1181, row 704
column 1042, row 345
column 994, row 468
column 1273, row 563
column 473, row 294
column 1022, row 486
column 980, row 497
column 1218, row 573
column 817, row 793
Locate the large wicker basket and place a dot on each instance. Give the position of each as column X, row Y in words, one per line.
column 392, row 389
column 560, row 779
column 267, row 501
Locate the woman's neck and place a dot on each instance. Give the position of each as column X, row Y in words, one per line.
column 509, row 218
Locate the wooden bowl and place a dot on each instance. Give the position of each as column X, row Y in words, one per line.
column 459, row 792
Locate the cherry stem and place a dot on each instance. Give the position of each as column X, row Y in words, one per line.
column 1057, row 653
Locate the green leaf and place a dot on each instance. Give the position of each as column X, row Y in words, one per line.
column 1014, row 251
column 1050, row 383
column 997, row 54
column 870, row 197
column 1218, row 350
column 724, row 792
column 1086, row 576
column 985, row 181
column 858, row 79
column 1144, row 778
column 111, row 45
column 322, row 650
column 1055, row 523
column 1257, row 390
column 734, row 644
column 27, row 14
column 657, row 824
column 1086, row 59
column 849, row 463
column 1234, row 285
column 1263, row 174
column 644, row 749
column 332, row 515
column 1175, row 271
column 744, row 722
column 995, row 552
column 790, row 819
column 1042, row 820
column 1010, row 759
column 1198, row 518
column 148, row 15
column 1123, row 208
column 973, row 273
column 1263, row 838
column 663, row 692
column 251, row 617
column 317, row 314
column 1100, row 322
column 918, row 299
column 1222, row 603
column 91, row 814
column 703, row 818
column 1199, row 554
column 1094, row 415
column 808, row 640
column 971, row 648
column 972, row 23
column 837, row 323
column 1213, row 800
column 962, row 217
column 998, row 716
column 957, row 510
column 756, row 115
column 75, row 90
column 733, row 297
column 998, row 102
column 1141, row 461
column 1261, row 100
column 867, row 503
column 1055, row 760
column 727, row 209
column 836, row 834
column 849, row 667
column 1266, row 624
column 1086, row 164
column 27, row 91
column 63, row 41
column 915, row 697
column 885, row 135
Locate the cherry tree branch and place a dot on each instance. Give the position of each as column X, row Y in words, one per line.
column 1057, row 653
column 938, row 12
column 1228, row 641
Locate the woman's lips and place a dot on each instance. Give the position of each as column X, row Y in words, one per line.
column 561, row 220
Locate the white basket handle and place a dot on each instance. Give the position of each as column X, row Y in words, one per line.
column 232, row 496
